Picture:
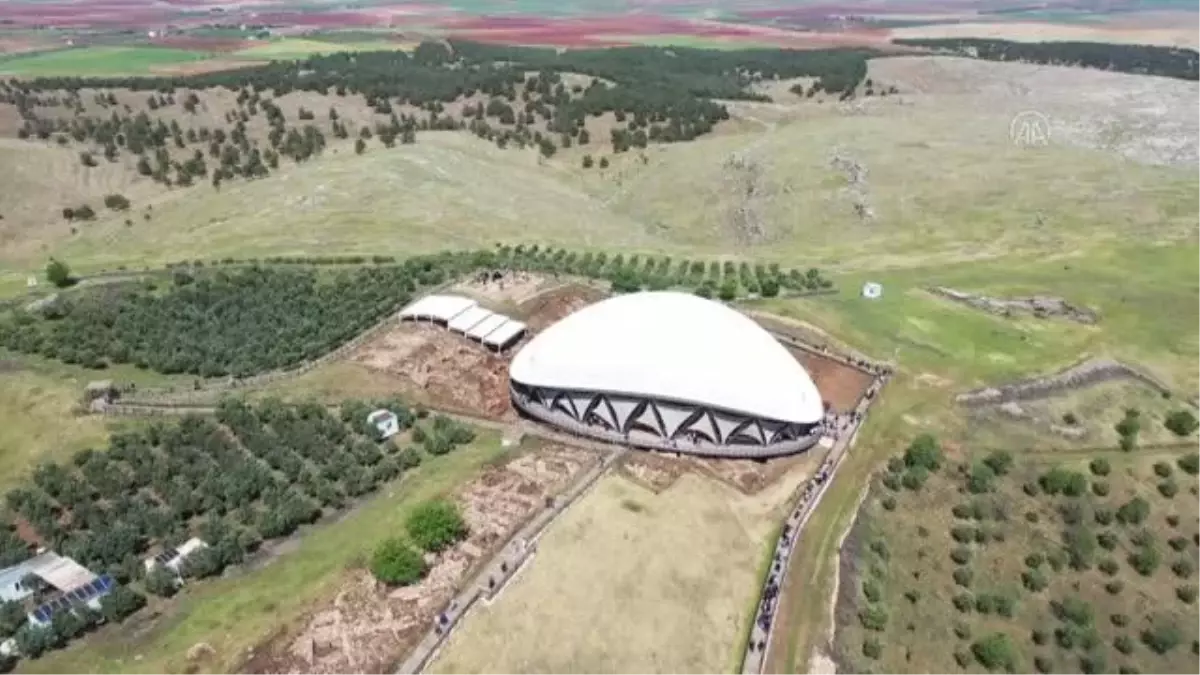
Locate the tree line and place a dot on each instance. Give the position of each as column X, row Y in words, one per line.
column 245, row 320
column 1174, row 62
column 666, row 94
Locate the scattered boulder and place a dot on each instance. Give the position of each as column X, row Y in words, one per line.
column 1041, row 306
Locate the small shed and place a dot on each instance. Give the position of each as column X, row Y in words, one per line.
column 385, row 421
column 872, row 290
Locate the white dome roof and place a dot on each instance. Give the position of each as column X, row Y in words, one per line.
column 672, row 345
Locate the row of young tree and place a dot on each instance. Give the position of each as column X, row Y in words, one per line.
column 249, row 474
column 727, row 280
column 1174, row 62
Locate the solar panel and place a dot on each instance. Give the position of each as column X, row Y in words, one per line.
column 105, row 583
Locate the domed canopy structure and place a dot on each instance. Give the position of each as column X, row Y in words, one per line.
column 668, row 370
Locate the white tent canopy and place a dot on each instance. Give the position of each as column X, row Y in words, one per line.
column 441, row 308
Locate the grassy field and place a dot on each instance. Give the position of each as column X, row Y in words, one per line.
column 930, row 633
column 234, row 613
column 1146, row 295
column 39, row 417
column 301, row 48
column 668, row 577
column 942, row 192
column 96, row 61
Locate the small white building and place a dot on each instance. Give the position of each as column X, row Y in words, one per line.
column 173, row 558
column 385, row 421
column 872, row 290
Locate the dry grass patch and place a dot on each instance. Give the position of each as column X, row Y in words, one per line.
column 630, row 581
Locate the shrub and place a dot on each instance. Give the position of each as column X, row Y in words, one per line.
column 961, row 511
column 871, row 591
column 879, row 548
column 924, row 452
column 1092, row 662
column 914, row 479
column 1123, row 644
column 58, row 273
column 1162, row 636
column 1073, row 610
column 1128, row 670
column 1100, row 488
column 1181, row 423
column 395, row 562
column 964, row 602
column 1190, row 463
column 1162, row 470
column 962, row 631
column 912, row 595
column 436, row 525
column 1173, row 520
column 873, row 618
column 1168, row 488
column 871, row 648
column 1039, row 637
column 1133, row 512
column 1114, row 587
column 1034, row 580
column 1145, row 560
column 981, row 478
column 981, row 536
column 891, row 481
column 1142, row 537
column 984, row 603
column 120, row 603
column 1109, row 566
column 1004, row 605
column 116, row 202
column 995, row 652
column 1178, row 543
column 1186, row 593
column 1034, row 560
column 1100, row 467
column 1119, row 620
column 1183, row 568
column 1062, row 481
column 1107, row 540
column 963, row 534
column 963, row 576
column 999, row 461
column 1071, row 513
column 961, row 555
column 1102, row 515
column 1080, row 547
column 1031, row 488
column 1031, row 517
column 888, row 503
column 962, row 658
column 1043, row 664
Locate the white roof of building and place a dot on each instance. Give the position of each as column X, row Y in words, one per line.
column 444, row 307
column 507, row 331
column 485, row 327
column 676, row 346
column 469, row 319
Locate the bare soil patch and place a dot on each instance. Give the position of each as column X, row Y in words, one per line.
column 494, row 287
column 367, row 627
column 659, row 471
column 441, row 368
column 547, row 308
column 840, row 385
